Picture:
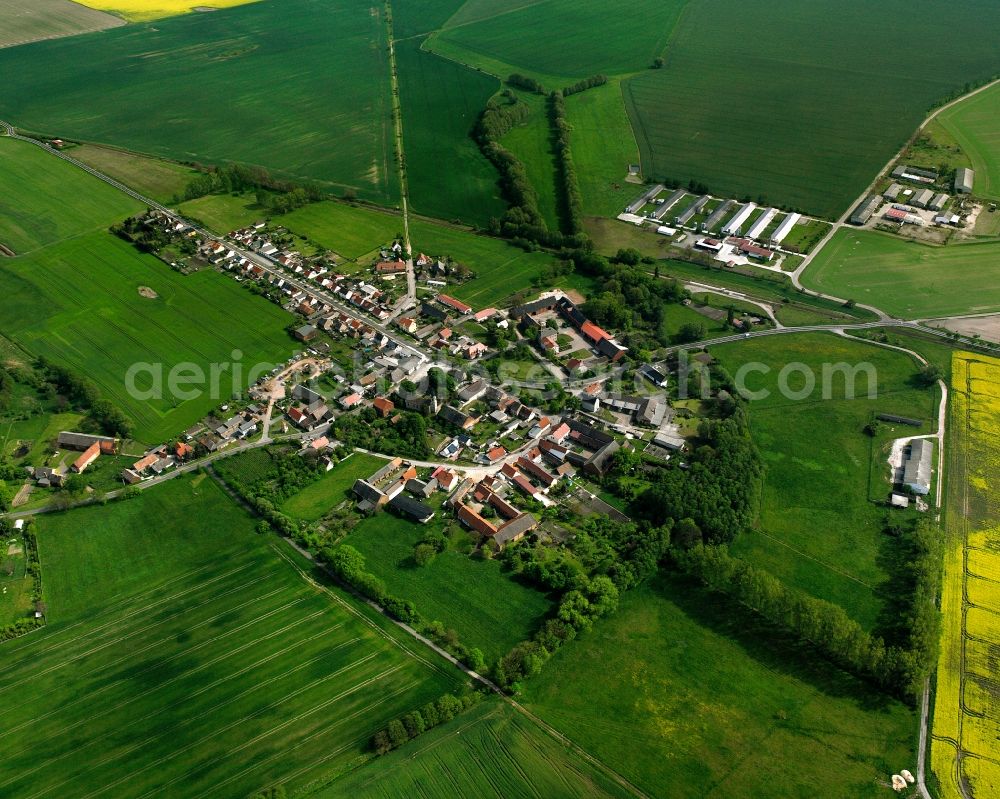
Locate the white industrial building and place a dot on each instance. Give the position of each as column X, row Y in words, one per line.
column 785, row 228
column 758, row 228
column 735, row 226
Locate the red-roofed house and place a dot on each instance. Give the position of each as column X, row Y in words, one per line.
column 456, row 305
column 390, row 267
column 320, row 443
column 560, row 433
column 486, row 313
column 144, row 463
column 593, row 333
column 350, row 401
column 297, row 416
column 183, row 450
column 92, row 453
column 444, row 477
column 474, row 521
column 495, row 454
column 522, row 483
column 384, row 406
column 407, row 324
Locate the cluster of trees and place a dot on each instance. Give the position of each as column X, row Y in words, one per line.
column 145, row 238
column 923, row 620
column 236, row 178
column 417, row 722
column 349, row 565
column 582, row 86
column 714, row 499
column 367, row 430
column 84, row 393
column 822, row 625
column 524, row 82
column 572, row 200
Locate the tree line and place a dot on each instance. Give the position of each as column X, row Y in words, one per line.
column 587, row 83
column 274, row 195
column 572, row 201
column 520, row 81
column 415, row 723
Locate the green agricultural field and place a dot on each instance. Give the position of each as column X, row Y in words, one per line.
column 351, row 231
column 298, row 86
column 908, row 279
column 316, row 500
column 186, row 654
column 613, row 37
column 474, row 597
column 223, row 213
column 77, row 303
column 972, row 123
column 410, row 20
column 783, row 113
column 686, row 697
column 821, row 514
column 441, row 102
column 22, row 22
column 34, row 186
column 501, row 269
column 154, row 177
column 489, row 751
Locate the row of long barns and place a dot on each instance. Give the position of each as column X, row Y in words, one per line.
column 739, row 215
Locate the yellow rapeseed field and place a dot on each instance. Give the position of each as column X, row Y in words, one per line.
column 966, row 703
column 144, row 10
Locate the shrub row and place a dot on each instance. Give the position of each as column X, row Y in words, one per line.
column 415, row 723
column 572, row 200
column 587, row 83
column 524, row 82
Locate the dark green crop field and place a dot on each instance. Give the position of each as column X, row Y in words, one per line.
column 77, row 303
column 564, row 39
column 298, row 86
column 185, row 657
column 441, row 101
column 34, row 186
column 802, row 103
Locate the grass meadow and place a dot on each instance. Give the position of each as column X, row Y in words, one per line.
column 317, row 499
column 34, row 186
column 157, row 178
column 184, row 657
column 806, row 110
column 819, row 527
column 972, row 124
column 966, row 706
column 298, row 86
column 77, row 303
column 441, row 102
column 531, row 142
column 474, row 597
column 908, row 279
column 489, row 751
column 22, row 22
column 686, row 697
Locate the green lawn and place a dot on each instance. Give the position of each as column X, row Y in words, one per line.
column 908, row 279
column 685, row 698
column 183, row 656
column 783, row 114
column 441, row 101
column 155, row 177
column 34, row 187
column 489, row 751
column 316, row 499
column 77, row 303
column 298, row 86
column 46, row 19
column 474, row 597
column 820, row 528
column 972, row 123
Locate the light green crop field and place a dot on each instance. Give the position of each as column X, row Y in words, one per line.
column 157, row 178
column 317, row 499
column 22, row 22
column 489, row 751
column 441, row 102
column 298, row 86
column 34, row 187
column 973, row 124
column 908, row 279
column 77, row 303
column 820, row 528
column 183, row 656
column 685, row 698
column 474, row 597
column 785, row 113
column 501, row 269
column 562, row 41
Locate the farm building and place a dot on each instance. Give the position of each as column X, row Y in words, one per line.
column 901, row 216
column 306, row 333
column 892, row 192
column 411, row 508
column 915, row 174
column 758, row 227
column 786, row 227
column 717, row 216
column 964, row 180
column 917, row 466
column 669, row 203
column 81, row 442
column 735, row 225
column 922, row 199
column 864, row 211
column 938, row 202
column 751, row 250
column 91, row 454
column 645, row 198
column 689, row 214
